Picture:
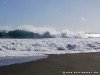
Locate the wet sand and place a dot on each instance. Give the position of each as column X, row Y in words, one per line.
column 55, row 64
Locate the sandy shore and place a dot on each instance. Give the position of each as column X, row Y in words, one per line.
column 55, row 64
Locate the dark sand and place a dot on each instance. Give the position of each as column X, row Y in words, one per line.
column 55, row 64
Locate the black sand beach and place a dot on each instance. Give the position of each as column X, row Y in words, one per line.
column 55, row 64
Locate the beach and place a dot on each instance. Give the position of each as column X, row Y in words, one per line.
column 56, row 64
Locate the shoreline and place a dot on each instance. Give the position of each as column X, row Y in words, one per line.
column 55, row 64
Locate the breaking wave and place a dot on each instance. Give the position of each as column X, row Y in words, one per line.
column 28, row 31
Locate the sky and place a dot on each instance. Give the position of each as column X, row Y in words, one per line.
column 76, row 15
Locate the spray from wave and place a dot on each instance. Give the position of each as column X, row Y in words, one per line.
column 28, row 31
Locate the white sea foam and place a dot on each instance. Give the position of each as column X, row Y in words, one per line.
column 32, row 47
column 17, row 50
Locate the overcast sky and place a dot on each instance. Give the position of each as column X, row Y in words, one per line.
column 76, row 15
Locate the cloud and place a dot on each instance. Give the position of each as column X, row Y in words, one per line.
column 83, row 19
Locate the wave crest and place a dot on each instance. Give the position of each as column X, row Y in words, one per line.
column 28, row 31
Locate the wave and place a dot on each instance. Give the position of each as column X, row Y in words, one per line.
column 28, row 31
column 46, row 34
